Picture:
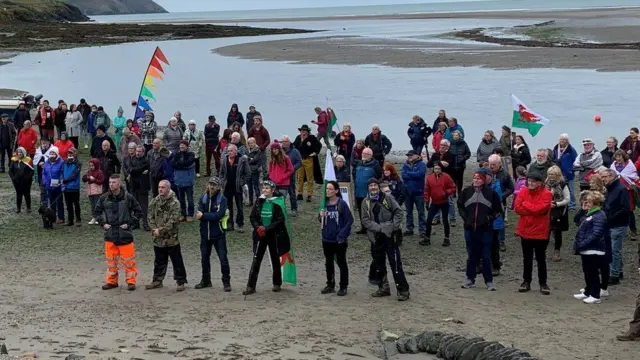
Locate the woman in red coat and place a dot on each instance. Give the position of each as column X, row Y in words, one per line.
column 533, row 205
column 438, row 187
column 27, row 138
column 280, row 168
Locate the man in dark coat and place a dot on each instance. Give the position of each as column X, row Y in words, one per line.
column 211, row 139
column 20, row 116
column 140, row 183
column 379, row 143
column 96, row 143
column 7, row 140
column 252, row 112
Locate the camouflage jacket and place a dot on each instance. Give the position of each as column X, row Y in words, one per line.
column 164, row 214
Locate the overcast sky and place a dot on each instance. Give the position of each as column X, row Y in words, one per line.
column 224, row 5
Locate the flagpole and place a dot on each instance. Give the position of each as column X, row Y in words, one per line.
column 142, row 85
column 329, row 102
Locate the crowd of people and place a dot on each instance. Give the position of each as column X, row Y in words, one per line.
column 248, row 167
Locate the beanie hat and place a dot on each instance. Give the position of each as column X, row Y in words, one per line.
column 185, row 142
column 506, row 128
column 482, row 172
column 275, row 145
column 373, row 181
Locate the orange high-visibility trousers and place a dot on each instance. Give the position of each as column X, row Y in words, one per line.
column 124, row 253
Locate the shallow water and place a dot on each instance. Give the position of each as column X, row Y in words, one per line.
column 200, row 83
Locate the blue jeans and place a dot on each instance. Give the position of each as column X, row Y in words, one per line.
column 55, row 202
column 185, row 194
column 452, row 214
column 572, row 198
column 478, row 245
column 418, row 201
column 618, row 234
column 501, row 235
column 205, row 257
column 292, row 193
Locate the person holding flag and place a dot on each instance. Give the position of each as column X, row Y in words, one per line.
column 272, row 230
column 323, row 126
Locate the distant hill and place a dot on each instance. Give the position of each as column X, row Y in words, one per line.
column 38, row 11
column 113, row 7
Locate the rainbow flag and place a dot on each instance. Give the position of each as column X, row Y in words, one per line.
column 154, row 71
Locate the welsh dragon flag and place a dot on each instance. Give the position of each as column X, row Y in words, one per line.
column 329, row 175
column 287, row 262
column 525, row 118
column 333, row 120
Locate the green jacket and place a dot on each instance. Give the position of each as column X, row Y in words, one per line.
column 164, row 214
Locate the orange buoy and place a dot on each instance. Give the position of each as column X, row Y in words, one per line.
column 597, row 118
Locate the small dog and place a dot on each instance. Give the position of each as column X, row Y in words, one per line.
column 48, row 216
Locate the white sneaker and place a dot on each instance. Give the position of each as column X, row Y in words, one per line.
column 93, row 222
column 591, row 300
column 604, row 293
column 580, row 296
column 86, row 146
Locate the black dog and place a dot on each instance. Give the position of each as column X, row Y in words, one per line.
column 48, row 216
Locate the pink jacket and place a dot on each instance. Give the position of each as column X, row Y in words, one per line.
column 323, row 122
column 281, row 174
column 520, row 183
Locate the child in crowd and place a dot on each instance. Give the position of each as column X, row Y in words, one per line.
column 521, row 181
column 94, row 179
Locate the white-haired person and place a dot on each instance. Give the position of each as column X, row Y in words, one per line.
column 564, row 155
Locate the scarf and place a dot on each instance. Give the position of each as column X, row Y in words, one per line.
column 374, row 196
column 561, row 151
column 517, row 146
column 556, row 188
column 358, row 152
column 267, row 212
column 593, row 210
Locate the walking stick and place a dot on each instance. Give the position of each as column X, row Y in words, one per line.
column 255, row 255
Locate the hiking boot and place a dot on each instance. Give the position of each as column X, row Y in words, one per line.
column 276, row 288
column 446, row 242
column 425, row 242
column 189, row 219
column 203, row 284
column 154, row 285
column 407, row 233
column 299, row 197
column 403, row 296
column 109, row 286
column 628, row 337
column 179, row 287
column 503, row 247
column 249, row 291
column 613, row 281
column 294, row 213
column 495, row 272
column 328, row 290
column 556, row 256
column 131, row 287
column 342, row 292
column 544, row 289
column 524, row 287
column 309, row 198
column 381, row 293
column 226, row 287
column 436, row 222
column 469, row 284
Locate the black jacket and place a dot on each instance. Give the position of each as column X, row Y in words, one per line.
column 276, row 231
column 448, row 157
column 249, row 118
column 237, row 118
column 96, row 145
column 607, row 157
column 506, row 183
column 380, row 147
column 211, row 135
column 461, row 153
column 343, row 174
column 307, row 147
column 139, row 180
column 117, row 210
column 109, row 164
column 478, row 209
column 21, row 174
column 20, row 117
column 520, row 157
column 616, row 205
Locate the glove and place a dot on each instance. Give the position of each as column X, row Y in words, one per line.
column 261, row 231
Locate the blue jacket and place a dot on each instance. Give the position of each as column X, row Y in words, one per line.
column 616, row 205
column 184, row 169
column 413, row 175
column 167, row 170
column 336, row 224
column 71, row 174
column 213, row 209
column 418, row 133
column 591, row 233
column 363, row 172
column 566, row 161
column 91, row 129
column 498, row 223
column 449, row 133
column 294, row 156
column 52, row 171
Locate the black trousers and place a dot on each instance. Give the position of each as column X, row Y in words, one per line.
column 593, row 269
column 143, row 199
column 235, row 199
column 23, row 190
column 162, row 256
column 540, row 249
column 74, row 141
column 632, row 223
column 359, row 201
column 458, row 179
column 260, row 246
column 154, row 187
column 557, row 239
column 5, row 151
column 197, row 165
column 337, row 252
column 72, row 200
column 384, row 247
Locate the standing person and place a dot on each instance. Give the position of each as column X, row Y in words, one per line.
column 379, row 143
column 39, row 160
column 172, row 136
column 343, row 173
column 234, row 174
column 117, row 211
column 94, row 177
column 7, row 140
column 237, row 128
column 533, row 204
column 109, row 163
column 148, row 129
column 280, row 169
column 630, row 144
column 71, row 174
column 559, row 208
column 454, row 126
column 164, row 218
column 356, row 154
column 196, row 140
column 260, row 134
column 442, row 118
column 161, row 169
column 61, row 115
column 211, row 138
column 181, row 123
column 127, row 164
column 73, row 123
column 63, row 144
column 184, row 175
column 564, row 155
column 520, row 154
column 478, row 206
column 498, row 224
column 27, row 138
column 21, row 115
column 250, row 115
column 254, row 155
column 45, row 119
column 541, row 165
column 382, row 218
column 52, row 178
column 344, row 142
column 140, row 184
column 617, row 210
column 96, row 143
column 438, row 135
column 153, row 155
column 418, row 133
column 296, row 161
column 488, row 144
column 85, row 111
column 119, row 123
column 506, row 185
column 364, row 170
column 91, row 127
column 438, row 188
column 506, row 142
column 323, row 126
column 336, row 219
column 461, row 154
column 213, row 216
column 271, row 230
column 21, row 174
column 587, row 163
column 309, row 147
column 133, row 127
column 413, row 174
column 102, row 118
column 591, row 245
column 628, row 174
column 234, row 116
column 607, row 153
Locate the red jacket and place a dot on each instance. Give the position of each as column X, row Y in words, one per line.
column 534, row 208
column 261, row 135
column 438, row 188
column 27, row 138
column 43, row 117
column 323, row 122
column 63, row 148
column 281, row 174
column 435, row 140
